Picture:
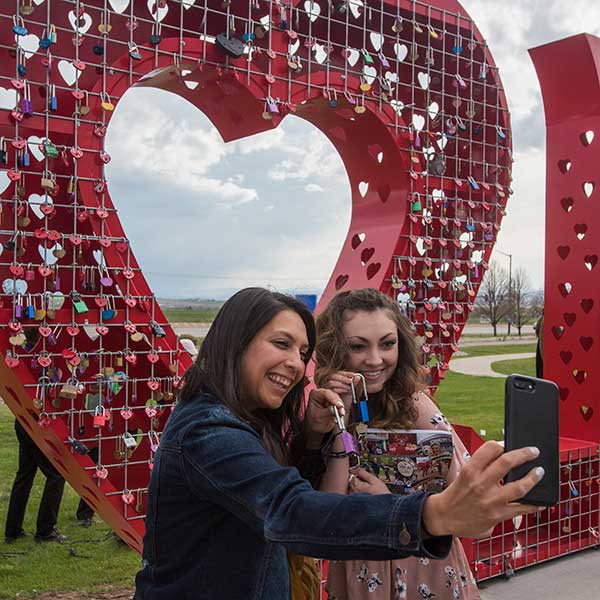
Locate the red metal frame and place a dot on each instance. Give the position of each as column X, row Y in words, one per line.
column 456, row 108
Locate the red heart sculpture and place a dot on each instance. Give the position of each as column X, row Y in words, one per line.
column 382, row 190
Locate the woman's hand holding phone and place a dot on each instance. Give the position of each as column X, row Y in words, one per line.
column 476, row 501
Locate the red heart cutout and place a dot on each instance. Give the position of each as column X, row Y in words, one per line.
column 566, row 356
column 122, row 247
column 587, row 304
column 557, row 331
column 587, row 412
column 590, row 261
column 570, row 318
column 563, row 393
column 373, row 269
column 586, row 342
column 563, row 251
column 579, row 375
column 341, row 281
column 567, row 204
column 367, row 254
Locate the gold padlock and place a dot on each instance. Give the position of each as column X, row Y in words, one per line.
column 48, row 181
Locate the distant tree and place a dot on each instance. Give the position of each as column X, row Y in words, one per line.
column 492, row 299
column 520, row 297
column 535, row 305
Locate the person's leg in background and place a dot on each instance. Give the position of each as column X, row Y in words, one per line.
column 21, row 488
column 50, row 503
column 84, row 511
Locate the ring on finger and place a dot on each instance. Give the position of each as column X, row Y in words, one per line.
column 351, row 478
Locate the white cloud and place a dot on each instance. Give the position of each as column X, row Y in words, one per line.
column 313, row 188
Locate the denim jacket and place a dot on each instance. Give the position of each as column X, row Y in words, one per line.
column 222, row 514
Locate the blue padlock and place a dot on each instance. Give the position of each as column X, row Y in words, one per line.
column 19, row 26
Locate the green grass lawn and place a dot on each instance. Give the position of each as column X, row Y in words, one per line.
column 523, row 366
column 189, row 315
column 27, row 568
column 502, row 348
column 474, row 401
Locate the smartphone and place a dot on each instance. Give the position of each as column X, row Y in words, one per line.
column 531, row 419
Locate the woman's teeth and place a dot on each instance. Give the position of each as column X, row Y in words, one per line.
column 280, row 381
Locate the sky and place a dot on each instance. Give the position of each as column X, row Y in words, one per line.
column 206, row 218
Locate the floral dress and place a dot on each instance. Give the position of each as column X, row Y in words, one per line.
column 410, row 578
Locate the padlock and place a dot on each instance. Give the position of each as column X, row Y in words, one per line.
column 53, row 104
column 367, row 58
column 100, row 417
column 26, row 104
column 29, row 308
column 157, row 330
column 155, row 36
column 48, row 181
column 333, row 99
column 49, row 150
column 19, row 26
column 78, row 303
column 69, row 390
column 348, row 440
column 362, row 404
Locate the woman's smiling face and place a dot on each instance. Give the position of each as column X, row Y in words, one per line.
column 274, row 361
column 372, row 338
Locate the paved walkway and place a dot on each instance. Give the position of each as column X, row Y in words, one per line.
column 574, row 577
column 482, row 365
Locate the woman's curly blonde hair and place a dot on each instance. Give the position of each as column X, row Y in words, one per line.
column 394, row 405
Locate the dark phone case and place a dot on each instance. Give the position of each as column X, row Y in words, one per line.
column 531, row 419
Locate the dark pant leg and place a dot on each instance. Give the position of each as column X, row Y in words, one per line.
column 84, row 510
column 21, row 488
column 539, row 363
column 52, row 496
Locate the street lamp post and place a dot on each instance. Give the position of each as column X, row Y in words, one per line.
column 510, row 306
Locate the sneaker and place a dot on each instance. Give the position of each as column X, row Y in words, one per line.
column 85, row 522
column 9, row 539
column 53, row 536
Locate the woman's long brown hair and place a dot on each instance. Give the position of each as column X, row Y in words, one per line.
column 394, row 405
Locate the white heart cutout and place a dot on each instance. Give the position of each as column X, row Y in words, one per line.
column 361, row 236
column 588, row 188
column 99, row 257
column 433, row 109
column 33, row 143
column 589, row 137
column 8, row 98
column 363, row 188
column 398, row 106
column 120, row 5
column 55, row 300
column 391, row 77
column 29, row 43
column 418, row 122
column 424, row 80
column 403, row 299
column 465, row 238
column 352, row 56
column 380, row 157
column 517, row 521
column 35, row 201
column 14, row 286
column 90, row 331
column 442, row 141
column 370, row 74
column 1, row 249
column 313, row 10
column 38, row 2
column 188, row 3
column 437, row 195
column 293, row 48
column 401, row 51
column 320, row 53
column 477, row 256
column 192, row 85
column 158, row 14
column 420, row 245
column 80, row 28
column 4, row 181
column 376, row 40
column 68, row 72
column 460, row 279
column 47, row 254
column 355, row 7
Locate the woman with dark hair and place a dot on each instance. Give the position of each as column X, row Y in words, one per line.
column 226, row 503
column 363, row 331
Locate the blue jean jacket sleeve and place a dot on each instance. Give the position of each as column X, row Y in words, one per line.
column 225, row 461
